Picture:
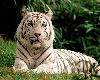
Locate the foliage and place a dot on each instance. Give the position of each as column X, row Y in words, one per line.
column 76, row 23
column 77, row 27
column 7, row 52
column 9, row 74
column 80, row 26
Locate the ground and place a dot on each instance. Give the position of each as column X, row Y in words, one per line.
column 7, row 57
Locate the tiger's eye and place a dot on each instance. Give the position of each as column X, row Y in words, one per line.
column 24, row 32
column 30, row 24
column 43, row 24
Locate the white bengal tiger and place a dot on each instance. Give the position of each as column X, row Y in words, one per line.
column 35, row 51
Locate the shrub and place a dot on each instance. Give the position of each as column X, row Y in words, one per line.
column 76, row 23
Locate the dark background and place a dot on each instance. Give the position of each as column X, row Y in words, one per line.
column 9, row 18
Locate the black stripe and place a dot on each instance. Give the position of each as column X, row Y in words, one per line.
column 46, row 19
column 61, row 66
column 84, row 57
column 22, row 35
column 22, row 53
column 72, row 61
column 78, row 58
column 24, row 56
column 63, row 63
column 24, row 47
column 84, row 60
column 22, row 25
column 65, row 67
column 45, row 59
column 21, row 59
column 24, row 61
column 49, row 35
column 75, row 55
column 25, row 18
column 81, row 60
column 46, row 33
column 43, row 53
column 49, row 26
column 58, row 66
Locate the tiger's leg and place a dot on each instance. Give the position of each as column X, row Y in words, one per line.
column 47, row 68
column 20, row 65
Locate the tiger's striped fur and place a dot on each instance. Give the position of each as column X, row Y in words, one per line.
column 35, row 51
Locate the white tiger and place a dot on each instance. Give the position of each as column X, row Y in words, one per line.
column 35, row 51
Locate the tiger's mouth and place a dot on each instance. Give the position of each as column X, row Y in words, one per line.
column 36, row 41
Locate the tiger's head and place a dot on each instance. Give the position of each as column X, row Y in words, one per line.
column 36, row 30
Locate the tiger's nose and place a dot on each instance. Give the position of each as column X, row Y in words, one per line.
column 37, row 34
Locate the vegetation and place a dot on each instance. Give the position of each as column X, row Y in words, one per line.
column 76, row 23
column 7, row 52
column 7, row 57
column 77, row 27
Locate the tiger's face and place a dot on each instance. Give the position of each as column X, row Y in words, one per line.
column 36, row 29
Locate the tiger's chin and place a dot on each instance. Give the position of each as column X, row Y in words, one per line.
column 35, row 44
column 42, row 44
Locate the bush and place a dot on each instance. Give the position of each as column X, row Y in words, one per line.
column 76, row 23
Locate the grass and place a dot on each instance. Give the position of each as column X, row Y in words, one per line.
column 7, row 52
column 7, row 57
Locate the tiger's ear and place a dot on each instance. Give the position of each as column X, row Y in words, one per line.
column 49, row 13
column 25, row 11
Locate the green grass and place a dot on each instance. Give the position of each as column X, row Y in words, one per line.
column 7, row 57
column 7, row 52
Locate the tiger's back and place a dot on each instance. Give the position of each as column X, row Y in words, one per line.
column 77, row 61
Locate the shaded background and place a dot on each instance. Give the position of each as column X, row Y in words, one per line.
column 8, row 22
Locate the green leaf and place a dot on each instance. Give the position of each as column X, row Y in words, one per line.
column 90, row 29
column 91, row 47
column 74, row 17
